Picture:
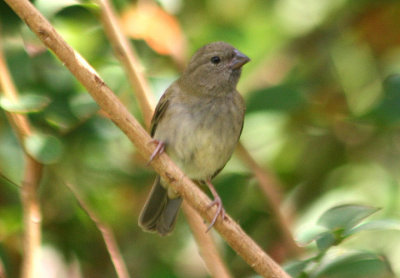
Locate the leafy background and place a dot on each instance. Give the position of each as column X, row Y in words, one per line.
column 323, row 112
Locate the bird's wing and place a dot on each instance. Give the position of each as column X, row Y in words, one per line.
column 160, row 110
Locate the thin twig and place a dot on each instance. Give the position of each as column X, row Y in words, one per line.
column 2, row 270
column 32, row 175
column 32, row 217
column 8, row 180
column 106, row 232
column 127, row 57
column 269, row 185
column 206, row 244
column 106, row 99
column 125, row 53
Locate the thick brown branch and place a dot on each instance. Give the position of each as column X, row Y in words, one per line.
column 105, row 98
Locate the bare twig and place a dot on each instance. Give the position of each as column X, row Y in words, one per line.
column 206, row 244
column 106, row 232
column 229, row 229
column 269, row 185
column 31, row 180
column 2, row 271
column 127, row 57
column 125, row 52
column 2, row 176
column 32, row 217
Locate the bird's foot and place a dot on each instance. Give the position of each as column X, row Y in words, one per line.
column 220, row 211
column 159, row 150
column 218, row 202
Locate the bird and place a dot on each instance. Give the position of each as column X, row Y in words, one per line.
column 197, row 122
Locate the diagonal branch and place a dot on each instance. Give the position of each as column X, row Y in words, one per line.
column 125, row 54
column 267, row 183
column 164, row 166
column 207, row 248
column 106, row 233
column 127, row 57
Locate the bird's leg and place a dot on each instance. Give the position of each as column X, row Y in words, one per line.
column 217, row 201
column 159, row 150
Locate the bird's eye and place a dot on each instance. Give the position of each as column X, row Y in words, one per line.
column 215, row 60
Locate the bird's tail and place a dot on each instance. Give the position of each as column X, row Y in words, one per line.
column 160, row 212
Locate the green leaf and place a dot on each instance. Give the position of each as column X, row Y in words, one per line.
column 386, row 224
column 345, row 216
column 361, row 88
column 325, row 240
column 27, row 103
column 387, row 111
column 46, row 149
column 61, row 120
column 50, row 8
column 282, row 98
column 83, row 106
column 356, row 265
column 296, row 269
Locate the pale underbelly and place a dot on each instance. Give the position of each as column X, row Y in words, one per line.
column 203, row 154
column 198, row 139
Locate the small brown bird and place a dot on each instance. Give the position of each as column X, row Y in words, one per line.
column 197, row 122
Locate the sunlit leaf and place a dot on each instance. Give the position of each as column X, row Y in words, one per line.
column 386, row 224
column 46, row 149
column 27, row 103
column 50, row 8
column 358, row 265
column 345, row 216
column 357, row 73
column 311, row 235
column 160, row 30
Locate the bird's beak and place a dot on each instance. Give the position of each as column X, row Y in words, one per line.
column 239, row 59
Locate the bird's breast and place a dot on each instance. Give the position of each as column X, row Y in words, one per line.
column 201, row 136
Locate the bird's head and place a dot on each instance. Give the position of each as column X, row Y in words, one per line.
column 214, row 68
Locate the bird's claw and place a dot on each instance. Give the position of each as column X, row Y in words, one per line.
column 159, row 150
column 220, row 211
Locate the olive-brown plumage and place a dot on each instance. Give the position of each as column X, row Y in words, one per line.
column 198, row 122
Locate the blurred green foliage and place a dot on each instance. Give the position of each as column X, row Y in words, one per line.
column 340, row 223
column 323, row 98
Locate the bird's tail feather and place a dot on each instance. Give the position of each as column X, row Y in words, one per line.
column 160, row 212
